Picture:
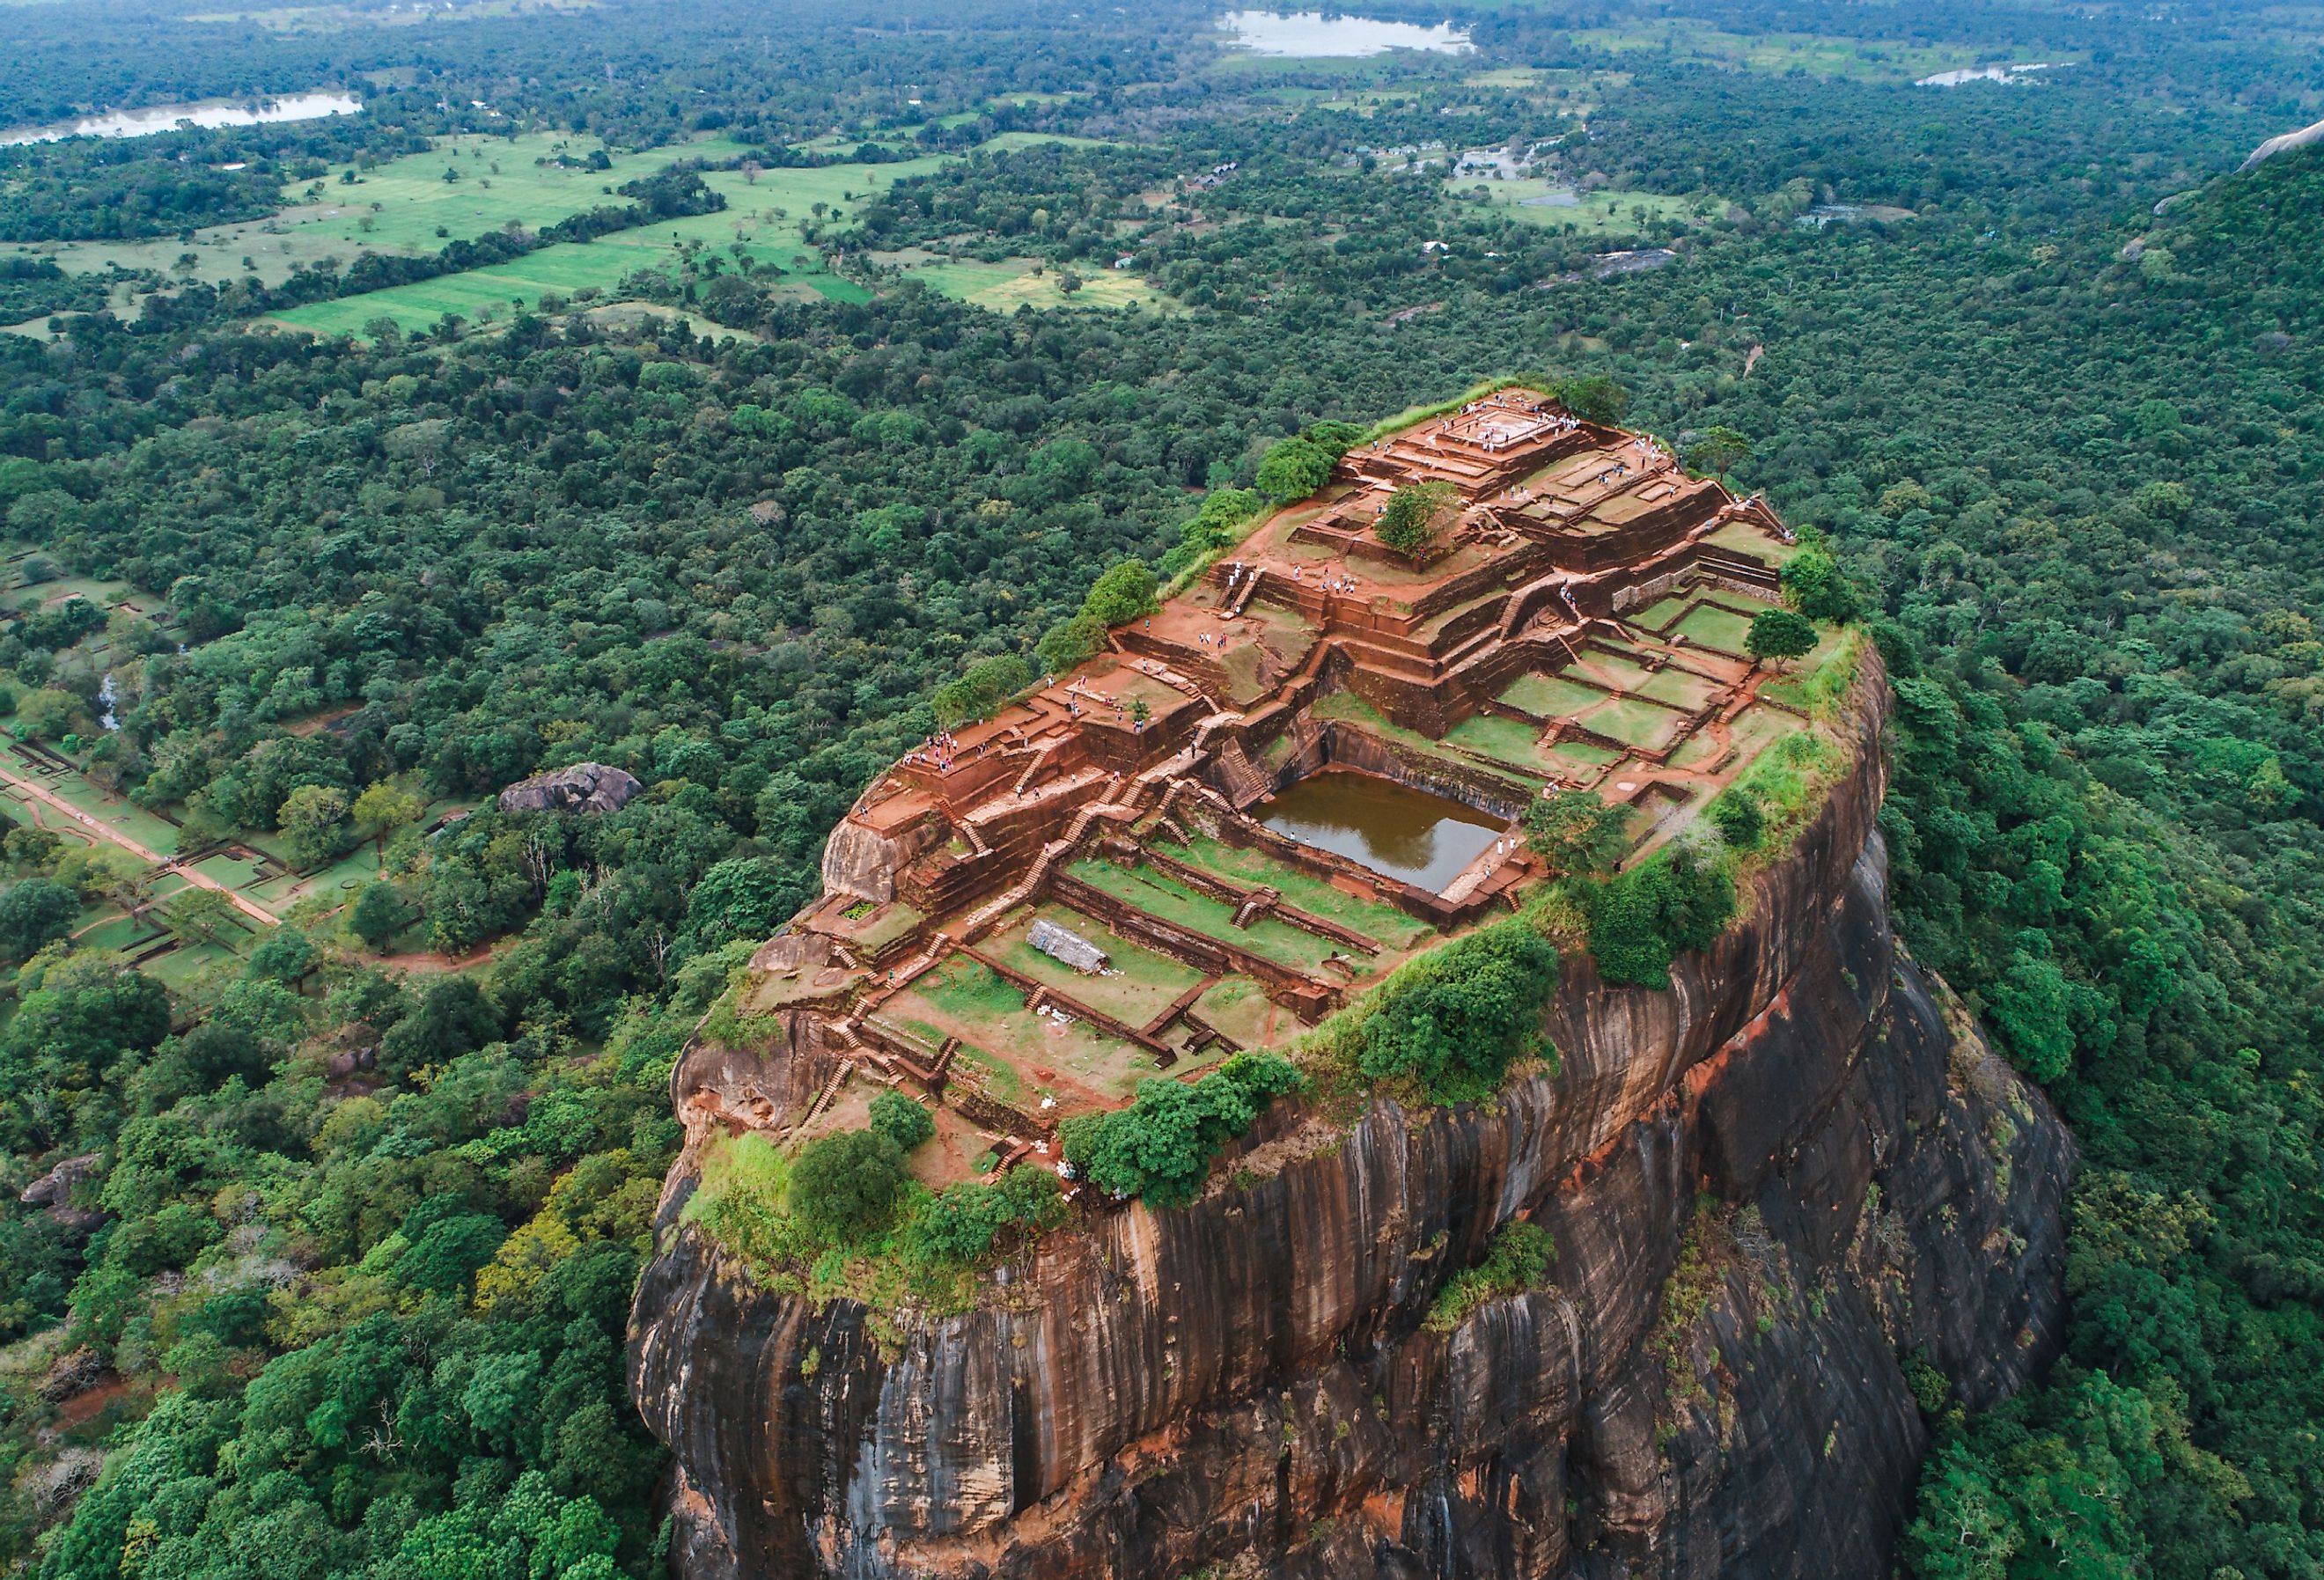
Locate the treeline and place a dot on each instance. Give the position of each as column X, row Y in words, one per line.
column 126, row 188
column 30, row 287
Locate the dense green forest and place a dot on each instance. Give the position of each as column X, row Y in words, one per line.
column 327, row 1249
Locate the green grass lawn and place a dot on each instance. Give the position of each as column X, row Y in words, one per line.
column 1146, row 983
column 1583, row 754
column 1627, row 673
column 501, row 182
column 1004, row 1047
column 1817, row 54
column 1157, row 895
column 1239, row 1007
column 1718, row 629
column 1504, row 740
column 1755, row 729
column 1383, row 924
column 1602, row 213
column 1009, row 283
column 1747, row 537
column 1678, row 688
column 414, row 198
column 762, row 219
column 1659, row 617
column 114, row 812
column 1818, row 679
column 1550, row 696
column 1645, row 724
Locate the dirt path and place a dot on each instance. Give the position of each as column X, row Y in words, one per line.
column 48, row 798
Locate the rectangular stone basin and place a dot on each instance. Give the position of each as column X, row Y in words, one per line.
column 1395, row 830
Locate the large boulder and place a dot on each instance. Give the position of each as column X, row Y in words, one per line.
column 586, row 787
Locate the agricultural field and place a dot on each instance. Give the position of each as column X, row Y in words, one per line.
column 1605, row 213
column 762, row 222
column 1012, row 282
column 414, row 199
column 1816, row 54
column 322, row 18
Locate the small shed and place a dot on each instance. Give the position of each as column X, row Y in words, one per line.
column 1067, row 944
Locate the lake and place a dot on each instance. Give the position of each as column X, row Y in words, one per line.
column 154, row 118
column 1392, row 828
column 1987, row 74
column 1310, row 35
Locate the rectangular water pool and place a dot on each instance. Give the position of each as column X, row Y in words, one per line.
column 1394, row 830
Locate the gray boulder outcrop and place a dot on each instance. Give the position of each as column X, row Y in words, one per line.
column 2284, row 144
column 586, row 787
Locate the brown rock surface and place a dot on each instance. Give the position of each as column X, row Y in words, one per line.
column 1770, row 1188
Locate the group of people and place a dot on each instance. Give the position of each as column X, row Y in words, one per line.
column 938, row 752
column 1327, row 582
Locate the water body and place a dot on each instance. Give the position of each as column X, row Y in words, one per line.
column 1987, row 74
column 154, row 118
column 1310, row 34
column 1392, row 828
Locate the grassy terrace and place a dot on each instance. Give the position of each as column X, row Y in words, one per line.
column 1678, row 688
column 1239, row 1007
column 1146, row 982
column 1506, row 740
column 1550, row 696
column 1647, row 725
column 1013, row 1054
column 1346, row 707
column 1716, row 627
column 1383, row 924
column 1159, row 896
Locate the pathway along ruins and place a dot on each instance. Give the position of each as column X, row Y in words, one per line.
column 162, row 864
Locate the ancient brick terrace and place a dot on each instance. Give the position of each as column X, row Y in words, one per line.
column 1029, row 916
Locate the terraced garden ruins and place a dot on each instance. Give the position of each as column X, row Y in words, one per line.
column 1307, row 767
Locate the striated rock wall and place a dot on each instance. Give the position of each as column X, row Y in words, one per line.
column 1772, row 1189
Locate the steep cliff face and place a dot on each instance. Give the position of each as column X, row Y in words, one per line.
column 1777, row 1192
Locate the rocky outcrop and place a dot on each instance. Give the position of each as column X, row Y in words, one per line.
column 586, row 787
column 53, row 1192
column 1778, row 1192
column 2307, row 136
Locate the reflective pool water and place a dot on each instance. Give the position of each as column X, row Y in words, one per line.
column 1392, row 828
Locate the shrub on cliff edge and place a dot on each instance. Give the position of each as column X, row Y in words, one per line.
column 844, row 1186
column 1453, row 1019
column 1160, row 1147
column 1679, row 899
column 961, row 1224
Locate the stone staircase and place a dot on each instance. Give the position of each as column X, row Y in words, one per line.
column 1243, row 593
column 1246, row 784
